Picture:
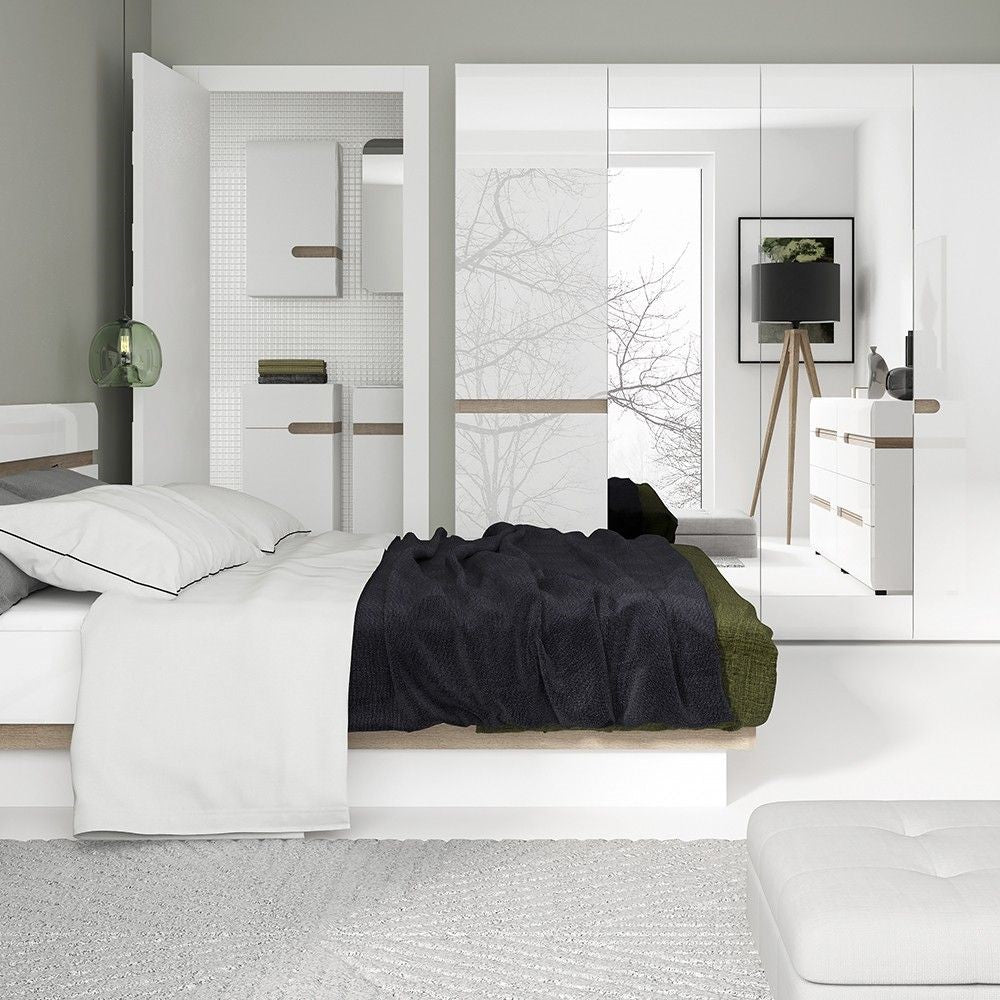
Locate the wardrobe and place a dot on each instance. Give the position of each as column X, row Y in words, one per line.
column 903, row 152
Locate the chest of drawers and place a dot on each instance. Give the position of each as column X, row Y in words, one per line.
column 861, row 489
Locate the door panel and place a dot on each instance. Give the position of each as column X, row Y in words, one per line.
column 956, row 353
column 170, row 423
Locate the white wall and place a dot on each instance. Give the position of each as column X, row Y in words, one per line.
column 808, row 172
column 883, row 237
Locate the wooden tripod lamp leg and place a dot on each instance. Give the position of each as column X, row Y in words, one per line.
column 779, row 385
column 807, row 357
column 793, row 412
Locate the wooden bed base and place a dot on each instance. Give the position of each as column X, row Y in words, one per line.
column 57, row 737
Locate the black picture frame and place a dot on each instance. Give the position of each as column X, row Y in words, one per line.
column 844, row 345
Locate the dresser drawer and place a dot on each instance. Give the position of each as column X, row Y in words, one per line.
column 854, row 497
column 854, row 547
column 281, row 405
column 823, row 484
column 823, row 449
column 822, row 528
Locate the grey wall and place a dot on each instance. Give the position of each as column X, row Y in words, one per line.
column 61, row 202
column 442, row 32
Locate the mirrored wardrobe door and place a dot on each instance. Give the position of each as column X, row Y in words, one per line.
column 683, row 413
column 957, row 353
column 531, row 293
column 827, row 294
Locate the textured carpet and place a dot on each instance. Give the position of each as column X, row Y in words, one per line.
column 361, row 920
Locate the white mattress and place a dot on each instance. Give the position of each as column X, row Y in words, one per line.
column 40, row 657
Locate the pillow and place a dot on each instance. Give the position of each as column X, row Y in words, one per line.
column 15, row 584
column 261, row 523
column 141, row 540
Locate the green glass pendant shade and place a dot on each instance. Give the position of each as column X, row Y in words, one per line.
column 125, row 354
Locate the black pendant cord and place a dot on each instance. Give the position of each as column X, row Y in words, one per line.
column 126, row 164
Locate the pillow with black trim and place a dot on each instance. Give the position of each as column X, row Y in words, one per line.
column 141, row 540
column 15, row 584
column 261, row 523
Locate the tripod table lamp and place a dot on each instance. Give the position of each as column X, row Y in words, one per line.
column 792, row 292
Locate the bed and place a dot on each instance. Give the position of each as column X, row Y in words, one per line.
column 53, row 636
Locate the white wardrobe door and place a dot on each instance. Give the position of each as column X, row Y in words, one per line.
column 956, row 464
column 170, row 422
column 531, row 468
column 531, row 290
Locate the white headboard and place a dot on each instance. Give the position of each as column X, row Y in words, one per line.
column 48, row 436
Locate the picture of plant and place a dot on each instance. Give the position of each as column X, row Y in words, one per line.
column 800, row 250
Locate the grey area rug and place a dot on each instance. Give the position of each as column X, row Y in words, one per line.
column 361, row 920
column 728, row 562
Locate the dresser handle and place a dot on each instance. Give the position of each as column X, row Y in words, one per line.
column 926, row 406
column 850, row 516
column 826, row 434
column 820, row 502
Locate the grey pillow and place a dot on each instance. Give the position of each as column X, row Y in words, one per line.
column 15, row 584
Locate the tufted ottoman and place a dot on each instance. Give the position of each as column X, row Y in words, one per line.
column 877, row 900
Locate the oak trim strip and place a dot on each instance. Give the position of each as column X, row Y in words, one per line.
column 864, row 441
column 378, row 429
column 851, row 517
column 317, row 251
column 825, row 433
column 926, row 406
column 57, row 737
column 531, row 406
column 820, row 502
column 71, row 460
column 35, row 737
column 305, row 427
column 444, row 737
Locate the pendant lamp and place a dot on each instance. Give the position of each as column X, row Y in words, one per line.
column 125, row 353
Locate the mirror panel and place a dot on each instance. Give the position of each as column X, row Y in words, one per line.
column 957, row 353
column 832, row 288
column 684, row 167
column 382, row 215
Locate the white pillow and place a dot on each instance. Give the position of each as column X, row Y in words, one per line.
column 259, row 522
column 142, row 540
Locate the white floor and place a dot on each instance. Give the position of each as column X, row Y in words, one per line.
column 851, row 720
column 803, row 596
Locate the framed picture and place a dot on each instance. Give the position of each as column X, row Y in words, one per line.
column 782, row 238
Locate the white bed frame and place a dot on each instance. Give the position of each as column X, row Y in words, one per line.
column 670, row 768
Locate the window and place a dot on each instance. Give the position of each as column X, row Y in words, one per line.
column 657, row 431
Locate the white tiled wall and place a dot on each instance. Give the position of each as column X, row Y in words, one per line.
column 360, row 335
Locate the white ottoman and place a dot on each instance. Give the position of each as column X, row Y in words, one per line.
column 877, row 900
column 717, row 532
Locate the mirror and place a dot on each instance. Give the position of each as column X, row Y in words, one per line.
column 683, row 413
column 382, row 216
column 826, row 298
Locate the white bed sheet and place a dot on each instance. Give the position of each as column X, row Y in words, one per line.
column 40, row 657
column 224, row 711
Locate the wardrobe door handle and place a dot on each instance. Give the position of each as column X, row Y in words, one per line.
column 926, row 406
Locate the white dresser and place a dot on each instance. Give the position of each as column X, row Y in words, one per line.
column 861, row 489
column 377, row 459
column 292, row 447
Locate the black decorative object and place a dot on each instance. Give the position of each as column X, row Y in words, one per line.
column 899, row 382
column 795, row 293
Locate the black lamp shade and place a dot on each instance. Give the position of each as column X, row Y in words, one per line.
column 796, row 292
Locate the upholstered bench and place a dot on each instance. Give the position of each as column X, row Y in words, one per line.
column 877, row 900
column 717, row 532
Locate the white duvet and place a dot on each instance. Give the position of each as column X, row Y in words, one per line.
column 224, row 711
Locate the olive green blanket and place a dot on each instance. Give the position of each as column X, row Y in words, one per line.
column 749, row 656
